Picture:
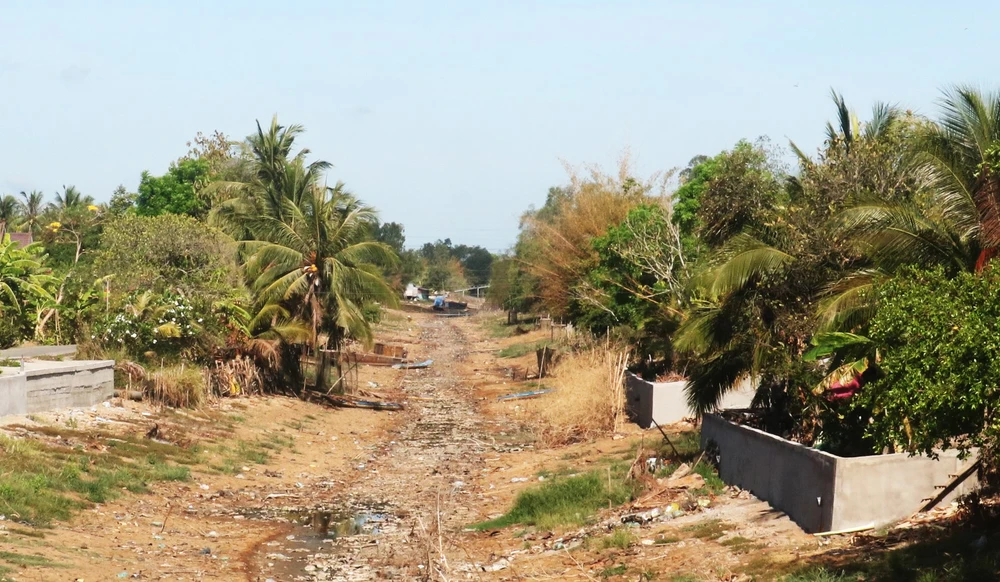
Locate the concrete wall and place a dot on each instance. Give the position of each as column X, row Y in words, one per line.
column 794, row 479
column 884, row 488
column 52, row 385
column 666, row 402
column 13, row 392
column 824, row 492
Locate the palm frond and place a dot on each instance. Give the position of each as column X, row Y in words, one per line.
column 746, row 258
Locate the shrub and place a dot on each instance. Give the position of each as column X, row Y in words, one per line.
column 938, row 338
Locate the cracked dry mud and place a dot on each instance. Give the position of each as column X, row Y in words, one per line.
column 408, row 495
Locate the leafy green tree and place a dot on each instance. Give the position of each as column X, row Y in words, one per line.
column 122, row 202
column 476, row 262
column 411, row 266
column 744, row 189
column 940, row 387
column 637, row 284
column 391, row 234
column 169, row 253
column 176, row 192
column 696, row 178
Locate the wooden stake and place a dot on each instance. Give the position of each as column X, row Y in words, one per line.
column 666, row 438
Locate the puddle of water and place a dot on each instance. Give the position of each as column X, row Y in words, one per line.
column 314, row 534
column 330, row 525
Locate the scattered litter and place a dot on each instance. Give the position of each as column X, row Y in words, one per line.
column 522, row 395
column 500, row 564
column 351, row 402
column 642, row 517
column 424, row 364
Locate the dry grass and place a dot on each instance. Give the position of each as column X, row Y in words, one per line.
column 177, row 386
column 589, row 396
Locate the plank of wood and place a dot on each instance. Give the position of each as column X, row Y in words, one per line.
column 954, row 483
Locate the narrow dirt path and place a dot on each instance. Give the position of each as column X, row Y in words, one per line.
column 410, row 494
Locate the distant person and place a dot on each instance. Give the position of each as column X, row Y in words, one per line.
column 438, row 303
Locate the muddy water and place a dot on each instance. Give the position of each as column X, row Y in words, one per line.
column 387, row 524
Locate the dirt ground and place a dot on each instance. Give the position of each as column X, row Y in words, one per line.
column 349, row 494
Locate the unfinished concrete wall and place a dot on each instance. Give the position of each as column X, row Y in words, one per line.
column 824, row 492
column 52, row 385
column 794, row 479
column 13, row 392
column 884, row 488
column 666, row 402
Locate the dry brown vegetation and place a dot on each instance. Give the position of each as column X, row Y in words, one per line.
column 559, row 236
column 588, row 398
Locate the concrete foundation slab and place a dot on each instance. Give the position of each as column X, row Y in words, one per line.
column 666, row 402
column 824, row 492
column 45, row 385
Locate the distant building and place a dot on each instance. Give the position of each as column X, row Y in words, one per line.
column 414, row 293
column 22, row 239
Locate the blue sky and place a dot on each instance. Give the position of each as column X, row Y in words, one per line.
column 453, row 117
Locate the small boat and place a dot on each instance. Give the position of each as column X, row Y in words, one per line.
column 424, row 364
column 523, row 395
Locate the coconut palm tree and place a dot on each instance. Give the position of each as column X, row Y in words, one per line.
column 275, row 171
column 318, row 261
column 306, row 249
column 32, row 206
column 70, row 197
column 955, row 220
column 9, row 210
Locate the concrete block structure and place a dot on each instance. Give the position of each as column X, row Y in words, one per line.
column 666, row 402
column 46, row 385
column 823, row 492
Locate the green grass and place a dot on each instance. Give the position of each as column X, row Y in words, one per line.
column 713, row 484
column 40, row 483
column 684, row 578
column 688, row 445
column 25, row 560
column 256, row 452
column 818, row 575
column 497, row 327
column 741, row 545
column 518, row 350
column 618, row 570
column 621, row 538
column 711, row 529
column 565, row 501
